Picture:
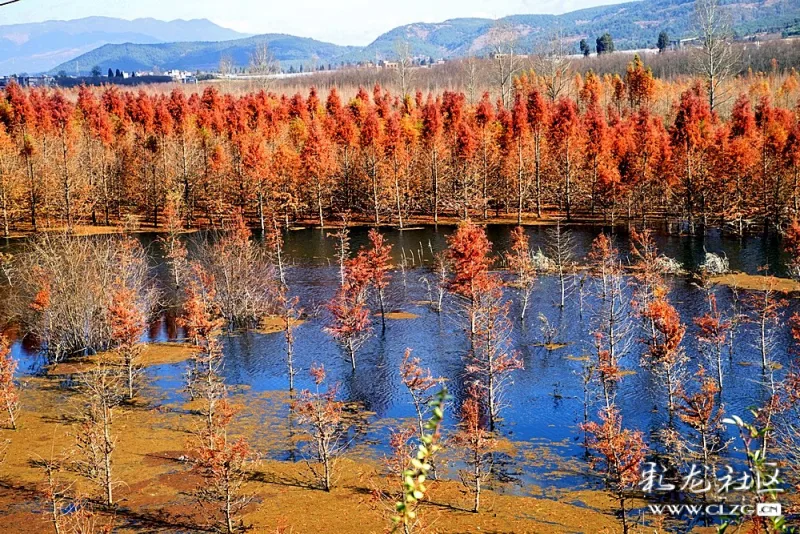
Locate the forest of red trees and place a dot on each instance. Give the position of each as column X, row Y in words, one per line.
column 599, row 147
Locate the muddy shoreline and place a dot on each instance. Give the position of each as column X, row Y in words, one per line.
column 155, row 485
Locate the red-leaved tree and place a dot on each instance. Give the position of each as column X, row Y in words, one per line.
column 476, row 444
column 521, row 264
column 350, row 324
column 322, row 414
column 620, row 453
column 128, row 323
column 468, row 254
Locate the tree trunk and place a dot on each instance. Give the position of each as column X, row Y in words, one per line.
column 228, row 511
column 326, row 464
column 375, row 202
column 31, row 190
column 485, row 179
column 129, row 366
column 397, row 193
column 352, row 353
column 520, row 179
column 319, row 204
column 568, row 186
column 261, row 211
column 435, row 172
column 12, row 418
column 477, row 504
column 107, row 454
column 538, row 176
column 66, row 182
column 5, row 214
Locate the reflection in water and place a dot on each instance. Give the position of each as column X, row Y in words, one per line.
column 545, row 402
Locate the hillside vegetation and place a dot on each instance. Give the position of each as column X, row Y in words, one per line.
column 40, row 46
column 287, row 49
column 633, row 25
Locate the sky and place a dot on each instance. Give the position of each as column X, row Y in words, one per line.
column 344, row 22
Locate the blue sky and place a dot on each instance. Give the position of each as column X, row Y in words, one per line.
column 349, row 22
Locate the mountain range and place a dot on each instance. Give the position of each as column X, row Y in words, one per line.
column 41, row 46
column 201, row 45
column 205, row 56
column 633, row 25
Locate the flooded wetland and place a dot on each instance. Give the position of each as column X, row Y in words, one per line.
column 540, row 475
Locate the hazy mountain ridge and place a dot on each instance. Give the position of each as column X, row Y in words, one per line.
column 632, row 25
column 36, row 47
column 205, row 56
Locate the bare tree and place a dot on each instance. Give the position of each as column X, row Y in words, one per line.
column 9, row 394
column 205, row 382
column 419, row 381
column 765, row 312
column 322, row 415
column 504, row 54
column 226, row 66
column 521, row 263
column 715, row 59
column 404, row 63
column 65, row 289
column 243, row 275
column 561, row 250
column 290, row 315
column 553, row 65
column 471, row 67
column 612, row 327
column 263, row 64
column 102, row 388
column 491, row 362
column 55, row 490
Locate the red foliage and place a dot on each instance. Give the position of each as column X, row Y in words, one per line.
column 792, row 246
column 692, row 126
column 350, row 324
column 41, row 300
column 431, row 122
column 700, row 410
column 640, row 83
column 468, row 252
column 200, row 314
column 519, row 258
column 711, row 327
column 378, row 260
column 621, row 451
column 605, row 150
column 126, row 318
column 221, row 462
column 664, row 348
column 323, row 415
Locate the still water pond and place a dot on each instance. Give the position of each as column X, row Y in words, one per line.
column 544, row 405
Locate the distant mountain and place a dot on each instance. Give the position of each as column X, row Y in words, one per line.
column 206, row 56
column 632, row 25
column 38, row 47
